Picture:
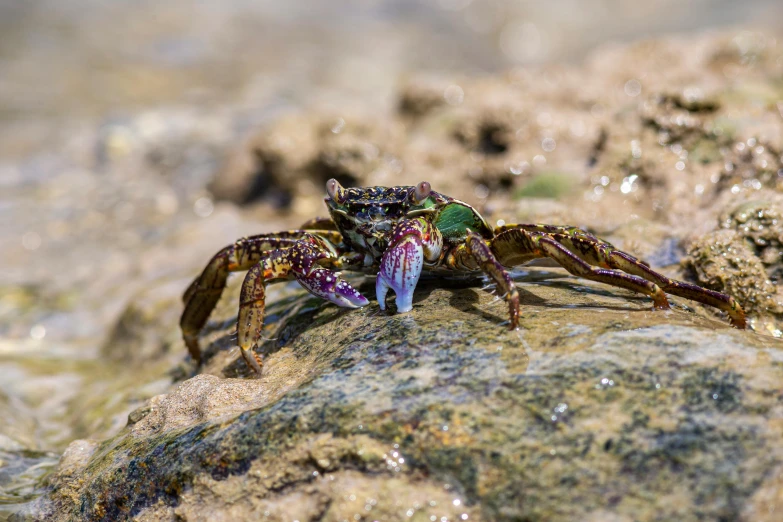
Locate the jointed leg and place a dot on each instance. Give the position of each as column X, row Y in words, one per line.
column 598, row 252
column 319, row 223
column 577, row 266
column 477, row 248
column 517, row 244
column 252, row 301
column 299, row 262
column 549, row 229
column 627, row 263
column 204, row 293
column 594, row 251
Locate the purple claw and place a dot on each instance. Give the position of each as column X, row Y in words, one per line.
column 327, row 285
column 400, row 270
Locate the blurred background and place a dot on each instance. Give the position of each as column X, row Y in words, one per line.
column 85, row 61
column 123, row 125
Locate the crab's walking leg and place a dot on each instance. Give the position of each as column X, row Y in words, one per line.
column 319, row 223
column 203, row 294
column 413, row 241
column 508, row 244
column 299, row 262
column 598, row 252
column 628, row 263
column 477, row 248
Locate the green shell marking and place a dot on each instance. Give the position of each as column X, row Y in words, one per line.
column 454, row 220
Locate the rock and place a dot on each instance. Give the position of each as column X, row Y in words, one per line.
column 289, row 163
column 743, row 259
column 135, row 337
column 424, row 94
column 597, row 408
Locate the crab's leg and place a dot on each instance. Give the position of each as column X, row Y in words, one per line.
column 204, row 292
column 413, row 241
column 301, row 263
column 601, row 253
column 628, row 263
column 509, row 243
column 548, row 229
column 319, row 223
column 476, row 247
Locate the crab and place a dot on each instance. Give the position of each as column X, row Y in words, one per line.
column 396, row 233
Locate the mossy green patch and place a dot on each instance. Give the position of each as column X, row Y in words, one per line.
column 549, row 185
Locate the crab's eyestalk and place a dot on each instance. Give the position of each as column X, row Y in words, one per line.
column 336, row 191
column 421, row 192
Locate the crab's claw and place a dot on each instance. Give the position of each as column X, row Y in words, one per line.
column 328, row 285
column 400, row 270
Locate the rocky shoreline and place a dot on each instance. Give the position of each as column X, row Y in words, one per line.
column 597, row 408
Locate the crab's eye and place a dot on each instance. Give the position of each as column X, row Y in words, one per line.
column 336, row 191
column 421, row 192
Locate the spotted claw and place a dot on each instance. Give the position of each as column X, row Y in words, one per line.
column 328, row 285
column 400, row 270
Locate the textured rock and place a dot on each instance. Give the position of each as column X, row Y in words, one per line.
column 743, row 258
column 598, row 408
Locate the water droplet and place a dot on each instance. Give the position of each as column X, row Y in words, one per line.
column 338, row 126
column 633, row 88
column 38, row 332
column 481, row 191
column 31, row 241
column 453, row 94
column 636, row 149
column 203, row 207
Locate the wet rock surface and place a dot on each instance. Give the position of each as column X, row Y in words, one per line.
column 597, row 407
